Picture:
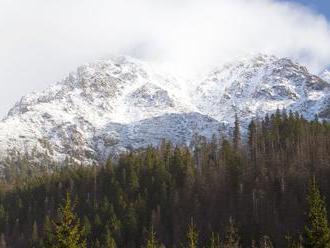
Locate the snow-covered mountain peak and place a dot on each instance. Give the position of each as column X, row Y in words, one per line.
column 104, row 87
column 110, row 106
column 257, row 85
column 93, row 107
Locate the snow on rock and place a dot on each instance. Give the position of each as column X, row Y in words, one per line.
column 259, row 85
column 112, row 106
column 325, row 75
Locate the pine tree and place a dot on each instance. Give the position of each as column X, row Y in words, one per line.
column 237, row 134
column 294, row 243
column 131, row 223
column 87, row 227
column 253, row 244
column 35, row 235
column 215, row 241
column 68, row 233
column 3, row 215
column 47, row 232
column 192, row 235
column 3, row 243
column 252, row 141
column 152, row 241
column 109, row 240
column 317, row 232
column 232, row 239
column 97, row 244
column 265, row 242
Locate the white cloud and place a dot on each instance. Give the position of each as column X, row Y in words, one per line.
column 42, row 40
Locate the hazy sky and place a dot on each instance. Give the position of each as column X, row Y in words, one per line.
column 41, row 41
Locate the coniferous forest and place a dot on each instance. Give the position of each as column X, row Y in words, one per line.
column 267, row 187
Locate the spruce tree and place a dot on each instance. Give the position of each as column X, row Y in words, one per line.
column 68, row 232
column 192, row 235
column 292, row 243
column 252, row 141
column 152, row 240
column 47, row 232
column 109, row 240
column 232, row 239
column 317, row 232
column 3, row 243
column 265, row 242
column 215, row 241
column 35, row 235
column 87, row 227
column 236, row 134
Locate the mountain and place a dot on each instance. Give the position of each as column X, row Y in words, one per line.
column 325, row 75
column 258, row 85
column 111, row 106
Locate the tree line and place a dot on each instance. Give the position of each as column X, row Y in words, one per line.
column 246, row 190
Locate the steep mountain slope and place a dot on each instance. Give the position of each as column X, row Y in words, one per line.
column 103, row 108
column 111, row 106
column 259, row 85
column 325, row 75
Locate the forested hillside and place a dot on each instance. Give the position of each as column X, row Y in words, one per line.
column 249, row 190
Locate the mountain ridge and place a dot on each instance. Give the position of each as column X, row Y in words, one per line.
column 115, row 105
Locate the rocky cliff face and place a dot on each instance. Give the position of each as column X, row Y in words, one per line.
column 108, row 107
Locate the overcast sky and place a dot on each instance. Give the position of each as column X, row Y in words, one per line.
column 41, row 41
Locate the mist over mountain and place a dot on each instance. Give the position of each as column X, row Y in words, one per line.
column 44, row 40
